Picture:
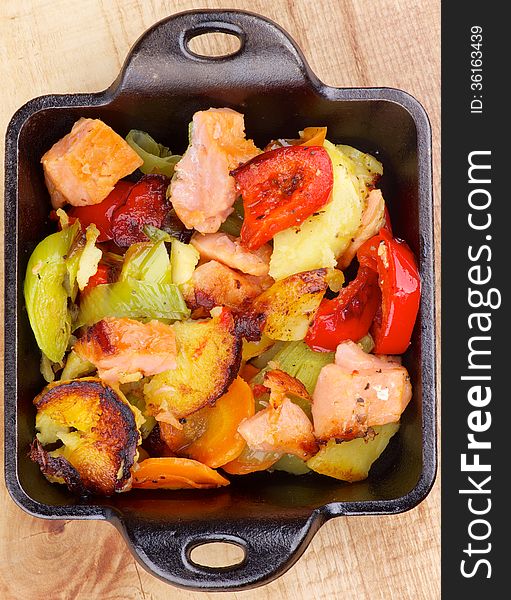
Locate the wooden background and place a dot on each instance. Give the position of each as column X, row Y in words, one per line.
column 61, row 46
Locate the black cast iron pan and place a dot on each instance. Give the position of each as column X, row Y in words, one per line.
column 272, row 516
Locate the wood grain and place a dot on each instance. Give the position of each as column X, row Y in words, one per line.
column 52, row 46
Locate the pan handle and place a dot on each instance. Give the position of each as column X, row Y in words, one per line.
column 271, row 547
column 162, row 58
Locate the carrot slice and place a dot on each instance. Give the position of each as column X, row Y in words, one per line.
column 313, row 136
column 221, row 442
column 172, row 473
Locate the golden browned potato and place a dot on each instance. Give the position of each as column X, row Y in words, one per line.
column 99, row 433
column 214, row 284
column 285, row 310
column 208, row 360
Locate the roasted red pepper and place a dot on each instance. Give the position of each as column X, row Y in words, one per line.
column 146, row 204
column 349, row 315
column 399, row 281
column 281, row 188
column 101, row 214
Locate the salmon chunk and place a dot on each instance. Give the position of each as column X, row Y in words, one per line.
column 83, row 167
column 357, row 392
column 126, row 350
column 228, row 250
column 284, row 429
column 202, row 190
column 214, row 284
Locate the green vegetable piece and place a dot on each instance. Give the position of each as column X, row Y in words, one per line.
column 183, row 260
column 291, row 464
column 133, row 299
column 366, row 343
column 76, row 367
column 46, row 368
column 351, row 461
column 261, row 361
column 298, row 360
column 157, row 158
column 134, row 393
column 147, row 262
column 46, row 296
column 155, row 234
column 232, row 225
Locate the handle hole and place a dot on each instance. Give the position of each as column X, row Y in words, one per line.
column 214, row 45
column 217, row 555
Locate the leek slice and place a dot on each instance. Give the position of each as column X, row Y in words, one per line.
column 146, row 261
column 298, row 360
column 232, row 225
column 133, row 299
column 46, row 296
column 157, row 158
column 155, row 234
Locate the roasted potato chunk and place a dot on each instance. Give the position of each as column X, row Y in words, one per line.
column 99, row 433
column 213, row 284
column 208, row 360
column 285, row 310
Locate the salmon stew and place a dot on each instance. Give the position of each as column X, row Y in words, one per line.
column 208, row 315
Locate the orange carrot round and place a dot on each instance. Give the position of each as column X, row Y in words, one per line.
column 313, row 136
column 221, row 442
column 172, row 473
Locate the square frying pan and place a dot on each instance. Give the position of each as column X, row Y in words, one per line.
column 272, row 516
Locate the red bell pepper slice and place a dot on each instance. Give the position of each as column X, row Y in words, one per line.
column 399, row 282
column 348, row 316
column 280, row 189
column 101, row 214
column 146, row 204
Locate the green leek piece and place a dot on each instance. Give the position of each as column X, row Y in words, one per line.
column 146, row 262
column 157, row 158
column 46, row 296
column 133, row 299
column 366, row 343
column 46, row 369
column 183, row 260
column 135, row 397
column 155, row 234
column 232, row 225
column 261, row 361
column 291, row 464
column 351, row 461
column 298, row 360
column 76, row 367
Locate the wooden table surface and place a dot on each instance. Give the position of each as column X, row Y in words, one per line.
column 61, row 46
